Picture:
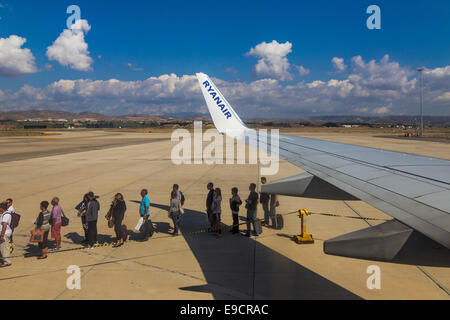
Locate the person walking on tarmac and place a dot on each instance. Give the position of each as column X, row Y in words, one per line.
column 251, row 206
column 235, row 202
column 209, row 202
column 264, row 199
column 93, row 207
column 144, row 212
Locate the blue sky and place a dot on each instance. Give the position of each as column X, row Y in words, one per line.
column 134, row 40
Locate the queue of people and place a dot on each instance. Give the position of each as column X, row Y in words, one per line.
column 88, row 209
column 269, row 203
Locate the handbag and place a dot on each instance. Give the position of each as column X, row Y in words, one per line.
column 109, row 216
column 37, row 235
column 64, row 220
column 139, row 224
column 110, row 223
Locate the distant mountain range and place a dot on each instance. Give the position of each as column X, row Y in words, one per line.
column 393, row 120
column 55, row 115
column 44, row 115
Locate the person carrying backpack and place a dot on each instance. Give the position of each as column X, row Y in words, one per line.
column 5, row 234
column 180, row 196
column 43, row 223
column 14, row 219
column 174, row 211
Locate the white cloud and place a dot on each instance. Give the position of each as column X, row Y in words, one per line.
column 338, row 64
column 381, row 110
column 377, row 87
column 272, row 61
column 445, row 97
column 134, row 67
column 70, row 48
column 15, row 60
column 303, row 71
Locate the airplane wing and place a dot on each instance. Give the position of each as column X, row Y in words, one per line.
column 413, row 189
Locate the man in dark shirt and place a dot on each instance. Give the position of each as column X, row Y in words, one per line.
column 93, row 207
column 209, row 202
column 252, row 204
column 264, row 200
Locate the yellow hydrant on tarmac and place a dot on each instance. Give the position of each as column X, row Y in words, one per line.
column 303, row 238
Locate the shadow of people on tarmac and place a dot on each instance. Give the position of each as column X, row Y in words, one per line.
column 240, row 267
column 76, row 238
column 32, row 250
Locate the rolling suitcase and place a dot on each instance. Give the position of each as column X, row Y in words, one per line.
column 279, row 222
column 147, row 229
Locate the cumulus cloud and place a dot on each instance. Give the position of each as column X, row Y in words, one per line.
column 445, row 97
column 338, row 64
column 15, row 60
column 376, row 87
column 272, row 61
column 303, row 71
column 381, row 110
column 70, row 48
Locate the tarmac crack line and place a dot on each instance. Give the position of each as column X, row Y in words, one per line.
column 85, row 274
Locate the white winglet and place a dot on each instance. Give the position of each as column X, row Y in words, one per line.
column 224, row 117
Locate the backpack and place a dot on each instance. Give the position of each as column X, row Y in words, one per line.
column 15, row 219
column 182, row 198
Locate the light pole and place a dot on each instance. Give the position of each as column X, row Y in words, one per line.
column 420, row 70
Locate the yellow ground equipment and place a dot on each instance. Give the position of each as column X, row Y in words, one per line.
column 303, row 238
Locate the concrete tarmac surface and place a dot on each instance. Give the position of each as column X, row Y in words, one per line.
column 192, row 266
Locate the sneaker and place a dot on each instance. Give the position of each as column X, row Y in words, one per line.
column 5, row 264
column 55, row 249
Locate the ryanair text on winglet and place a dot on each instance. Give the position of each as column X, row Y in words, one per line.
column 217, row 99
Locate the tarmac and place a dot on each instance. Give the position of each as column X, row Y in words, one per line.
column 194, row 265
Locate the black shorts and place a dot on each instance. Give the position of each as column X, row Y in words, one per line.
column 44, row 243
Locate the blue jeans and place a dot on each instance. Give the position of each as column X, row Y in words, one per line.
column 251, row 219
column 176, row 221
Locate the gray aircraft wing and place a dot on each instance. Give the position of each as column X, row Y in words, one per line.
column 413, row 189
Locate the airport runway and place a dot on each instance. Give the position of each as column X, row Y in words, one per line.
column 193, row 266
